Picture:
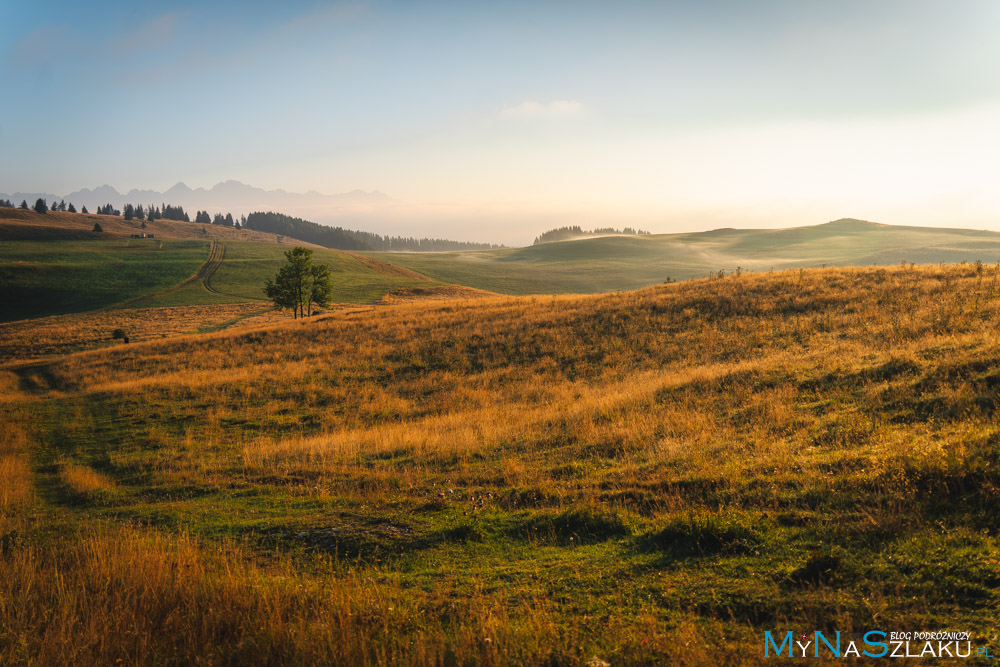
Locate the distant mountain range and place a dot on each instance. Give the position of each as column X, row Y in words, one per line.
column 228, row 197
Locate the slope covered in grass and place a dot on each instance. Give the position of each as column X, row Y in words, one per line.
column 26, row 225
column 56, row 277
column 630, row 262
column 53, row 277
column 653, row 476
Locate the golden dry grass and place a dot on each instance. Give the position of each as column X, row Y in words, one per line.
column 124, row 595
column 434, row 293
column 63, row 334
column 83, row 479
column 647, row 476
column 16, row 490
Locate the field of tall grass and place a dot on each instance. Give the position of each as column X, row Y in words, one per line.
column 642, row 477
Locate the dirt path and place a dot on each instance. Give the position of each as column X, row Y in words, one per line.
column 215, row 258
column 216, row 254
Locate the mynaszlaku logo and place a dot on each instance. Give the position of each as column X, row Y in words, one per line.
column 873, row 644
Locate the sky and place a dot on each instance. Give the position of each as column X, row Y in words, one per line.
column 495, row 121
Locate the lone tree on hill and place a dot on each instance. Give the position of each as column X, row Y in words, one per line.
column 24, row 204
column 41, row 206
column 97, row 228
column 300, row 284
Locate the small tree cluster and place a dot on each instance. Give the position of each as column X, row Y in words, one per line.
column 205, row 218
column 108, row 209
column 575, row 231
column 300, row 284
column 174, row 213
column 6, row 203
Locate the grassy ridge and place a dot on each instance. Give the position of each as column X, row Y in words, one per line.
column 248, row 265
column 631, row 262
column 648, row 476
column 53, row 277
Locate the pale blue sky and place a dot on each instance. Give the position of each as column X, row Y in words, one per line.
column 507, row 116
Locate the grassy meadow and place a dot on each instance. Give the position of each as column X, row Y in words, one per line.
column 602, row 264
column 57, row 277
column 43, row 278
column 646, row 477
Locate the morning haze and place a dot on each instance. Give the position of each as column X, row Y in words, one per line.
column 496, row 122
column 513, row 333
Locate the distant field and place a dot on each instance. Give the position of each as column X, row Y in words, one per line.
column 248, row 265
column 53, row 277
column 56, row 277
column 630, row 262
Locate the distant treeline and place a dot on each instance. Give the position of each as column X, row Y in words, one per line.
column 165, row 212
column 275, row 223
column 566, row 233
column 347, row 239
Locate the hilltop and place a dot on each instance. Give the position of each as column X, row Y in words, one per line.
column 54, row 264
column 629, row 262
column 26, row 225
column 515, row 480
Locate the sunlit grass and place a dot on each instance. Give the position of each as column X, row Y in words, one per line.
column 644, row 476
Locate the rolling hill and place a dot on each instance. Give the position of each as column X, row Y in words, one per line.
column 513, row 480
column 630, row 262
column 54, row 264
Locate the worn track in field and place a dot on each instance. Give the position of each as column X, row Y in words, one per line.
column 216, row 253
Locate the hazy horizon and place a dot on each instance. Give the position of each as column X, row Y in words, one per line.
column 495, row 123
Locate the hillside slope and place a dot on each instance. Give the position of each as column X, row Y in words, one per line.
column 636, row 476
column 630, row 262
column 41, row 278
column 20, row 225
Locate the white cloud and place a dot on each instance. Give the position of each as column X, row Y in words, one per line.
column 532, row 109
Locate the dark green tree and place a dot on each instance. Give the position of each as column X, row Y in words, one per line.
column 84, row 210
column 300, row 284
column 24, row 204
column 97, row 228
column 322, row 287
column 71, row 208
column 41, row 206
